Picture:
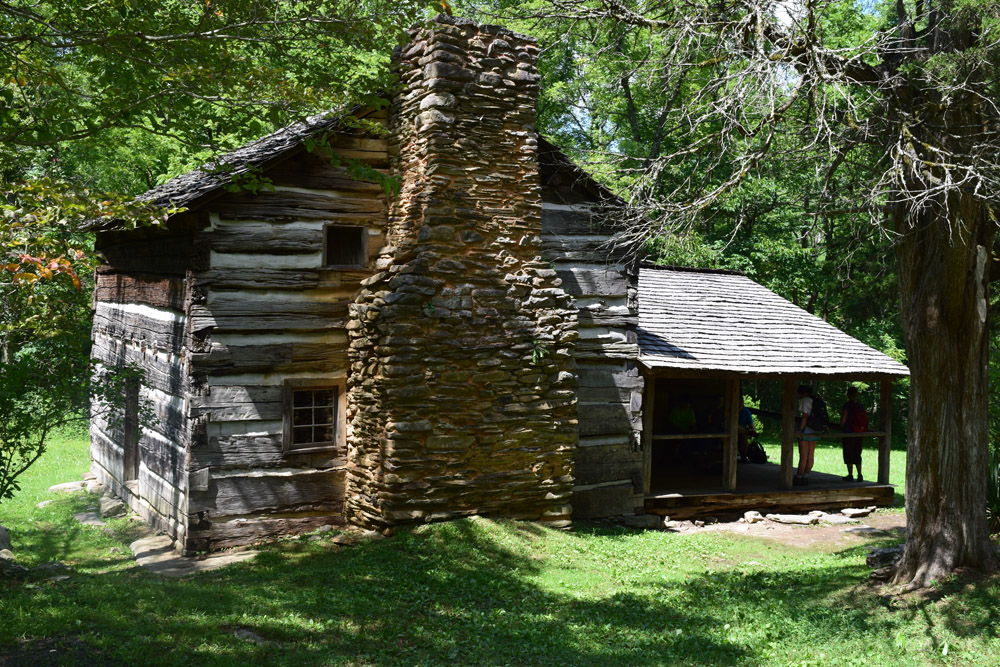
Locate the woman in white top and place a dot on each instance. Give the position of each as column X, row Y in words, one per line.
column 807, row 446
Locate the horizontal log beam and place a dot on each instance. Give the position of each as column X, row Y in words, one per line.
column 264, row 491
column 209, row 535
column 285, row 205
column 139, row 288
column 164, row 332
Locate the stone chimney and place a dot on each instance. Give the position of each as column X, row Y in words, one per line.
column 462, row 388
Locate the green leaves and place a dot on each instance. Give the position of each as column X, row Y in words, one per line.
column 46, row 265
column 74, row 68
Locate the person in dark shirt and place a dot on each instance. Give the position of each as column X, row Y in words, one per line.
column 746, row 431
column 853, row 420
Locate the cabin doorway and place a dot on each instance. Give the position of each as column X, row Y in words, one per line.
column 689, row 431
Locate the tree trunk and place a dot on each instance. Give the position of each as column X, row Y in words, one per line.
column 943, row 276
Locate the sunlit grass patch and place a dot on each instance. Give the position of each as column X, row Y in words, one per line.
column 479, row 592
column 830, row 459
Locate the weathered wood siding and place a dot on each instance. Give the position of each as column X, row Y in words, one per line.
column 139, row 319
column 264, row 310
column 575, row 239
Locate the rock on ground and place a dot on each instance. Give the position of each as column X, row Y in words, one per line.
column 880, row 558
column 157, row 555
column 344, row 539
column 89, row 518
column 835, row 519
column 4, row 539
column 855, row 512
column 54, row 568
column 250, row 636
column 349, row 538
column 111, row 506
column 94, row 487
column 9, row 569
column 753, row 516
column 796, row 519
column 67, row 487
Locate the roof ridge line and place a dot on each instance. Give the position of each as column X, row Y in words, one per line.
column 645, row 264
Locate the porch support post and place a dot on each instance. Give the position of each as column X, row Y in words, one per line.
column 788, row 408
column 729, row 446
column 648, row 407
column 885, row 425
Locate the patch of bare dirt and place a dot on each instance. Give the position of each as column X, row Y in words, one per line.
column 877, row 525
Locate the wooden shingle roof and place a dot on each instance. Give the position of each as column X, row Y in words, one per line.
column 184, row 189
column 712, row 321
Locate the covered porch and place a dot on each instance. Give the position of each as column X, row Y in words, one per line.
column 701, row 334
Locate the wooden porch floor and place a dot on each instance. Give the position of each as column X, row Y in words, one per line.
column 688, row 493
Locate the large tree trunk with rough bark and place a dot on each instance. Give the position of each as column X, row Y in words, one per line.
column 943, row 275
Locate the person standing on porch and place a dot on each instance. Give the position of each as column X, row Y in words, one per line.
column 807, row 446
column 853, row 420
column 746, row 430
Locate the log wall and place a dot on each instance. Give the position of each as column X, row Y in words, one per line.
column 139, row 319
column 264, row 311
column 576, row 239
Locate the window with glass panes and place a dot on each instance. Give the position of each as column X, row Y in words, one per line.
column 314, row 417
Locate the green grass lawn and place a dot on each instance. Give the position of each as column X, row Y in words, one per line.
column 474, row 592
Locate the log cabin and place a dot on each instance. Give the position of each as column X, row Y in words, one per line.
column 319, row 351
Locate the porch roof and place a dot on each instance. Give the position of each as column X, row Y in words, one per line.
column 716, row 321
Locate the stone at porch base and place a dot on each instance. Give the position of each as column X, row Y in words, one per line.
column 67, row 487
column 89, row 518
column 795, row 519
column 855, row 512
column 111, row 507
column 157, row 554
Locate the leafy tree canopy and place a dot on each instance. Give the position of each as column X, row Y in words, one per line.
column 71, row 69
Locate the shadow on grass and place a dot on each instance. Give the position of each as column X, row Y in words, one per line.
column 52, row 534
column 467, row 592
column 447, row 595
column 54, row 540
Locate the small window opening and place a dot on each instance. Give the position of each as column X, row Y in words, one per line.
column 345, row 246
column 314, row 418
